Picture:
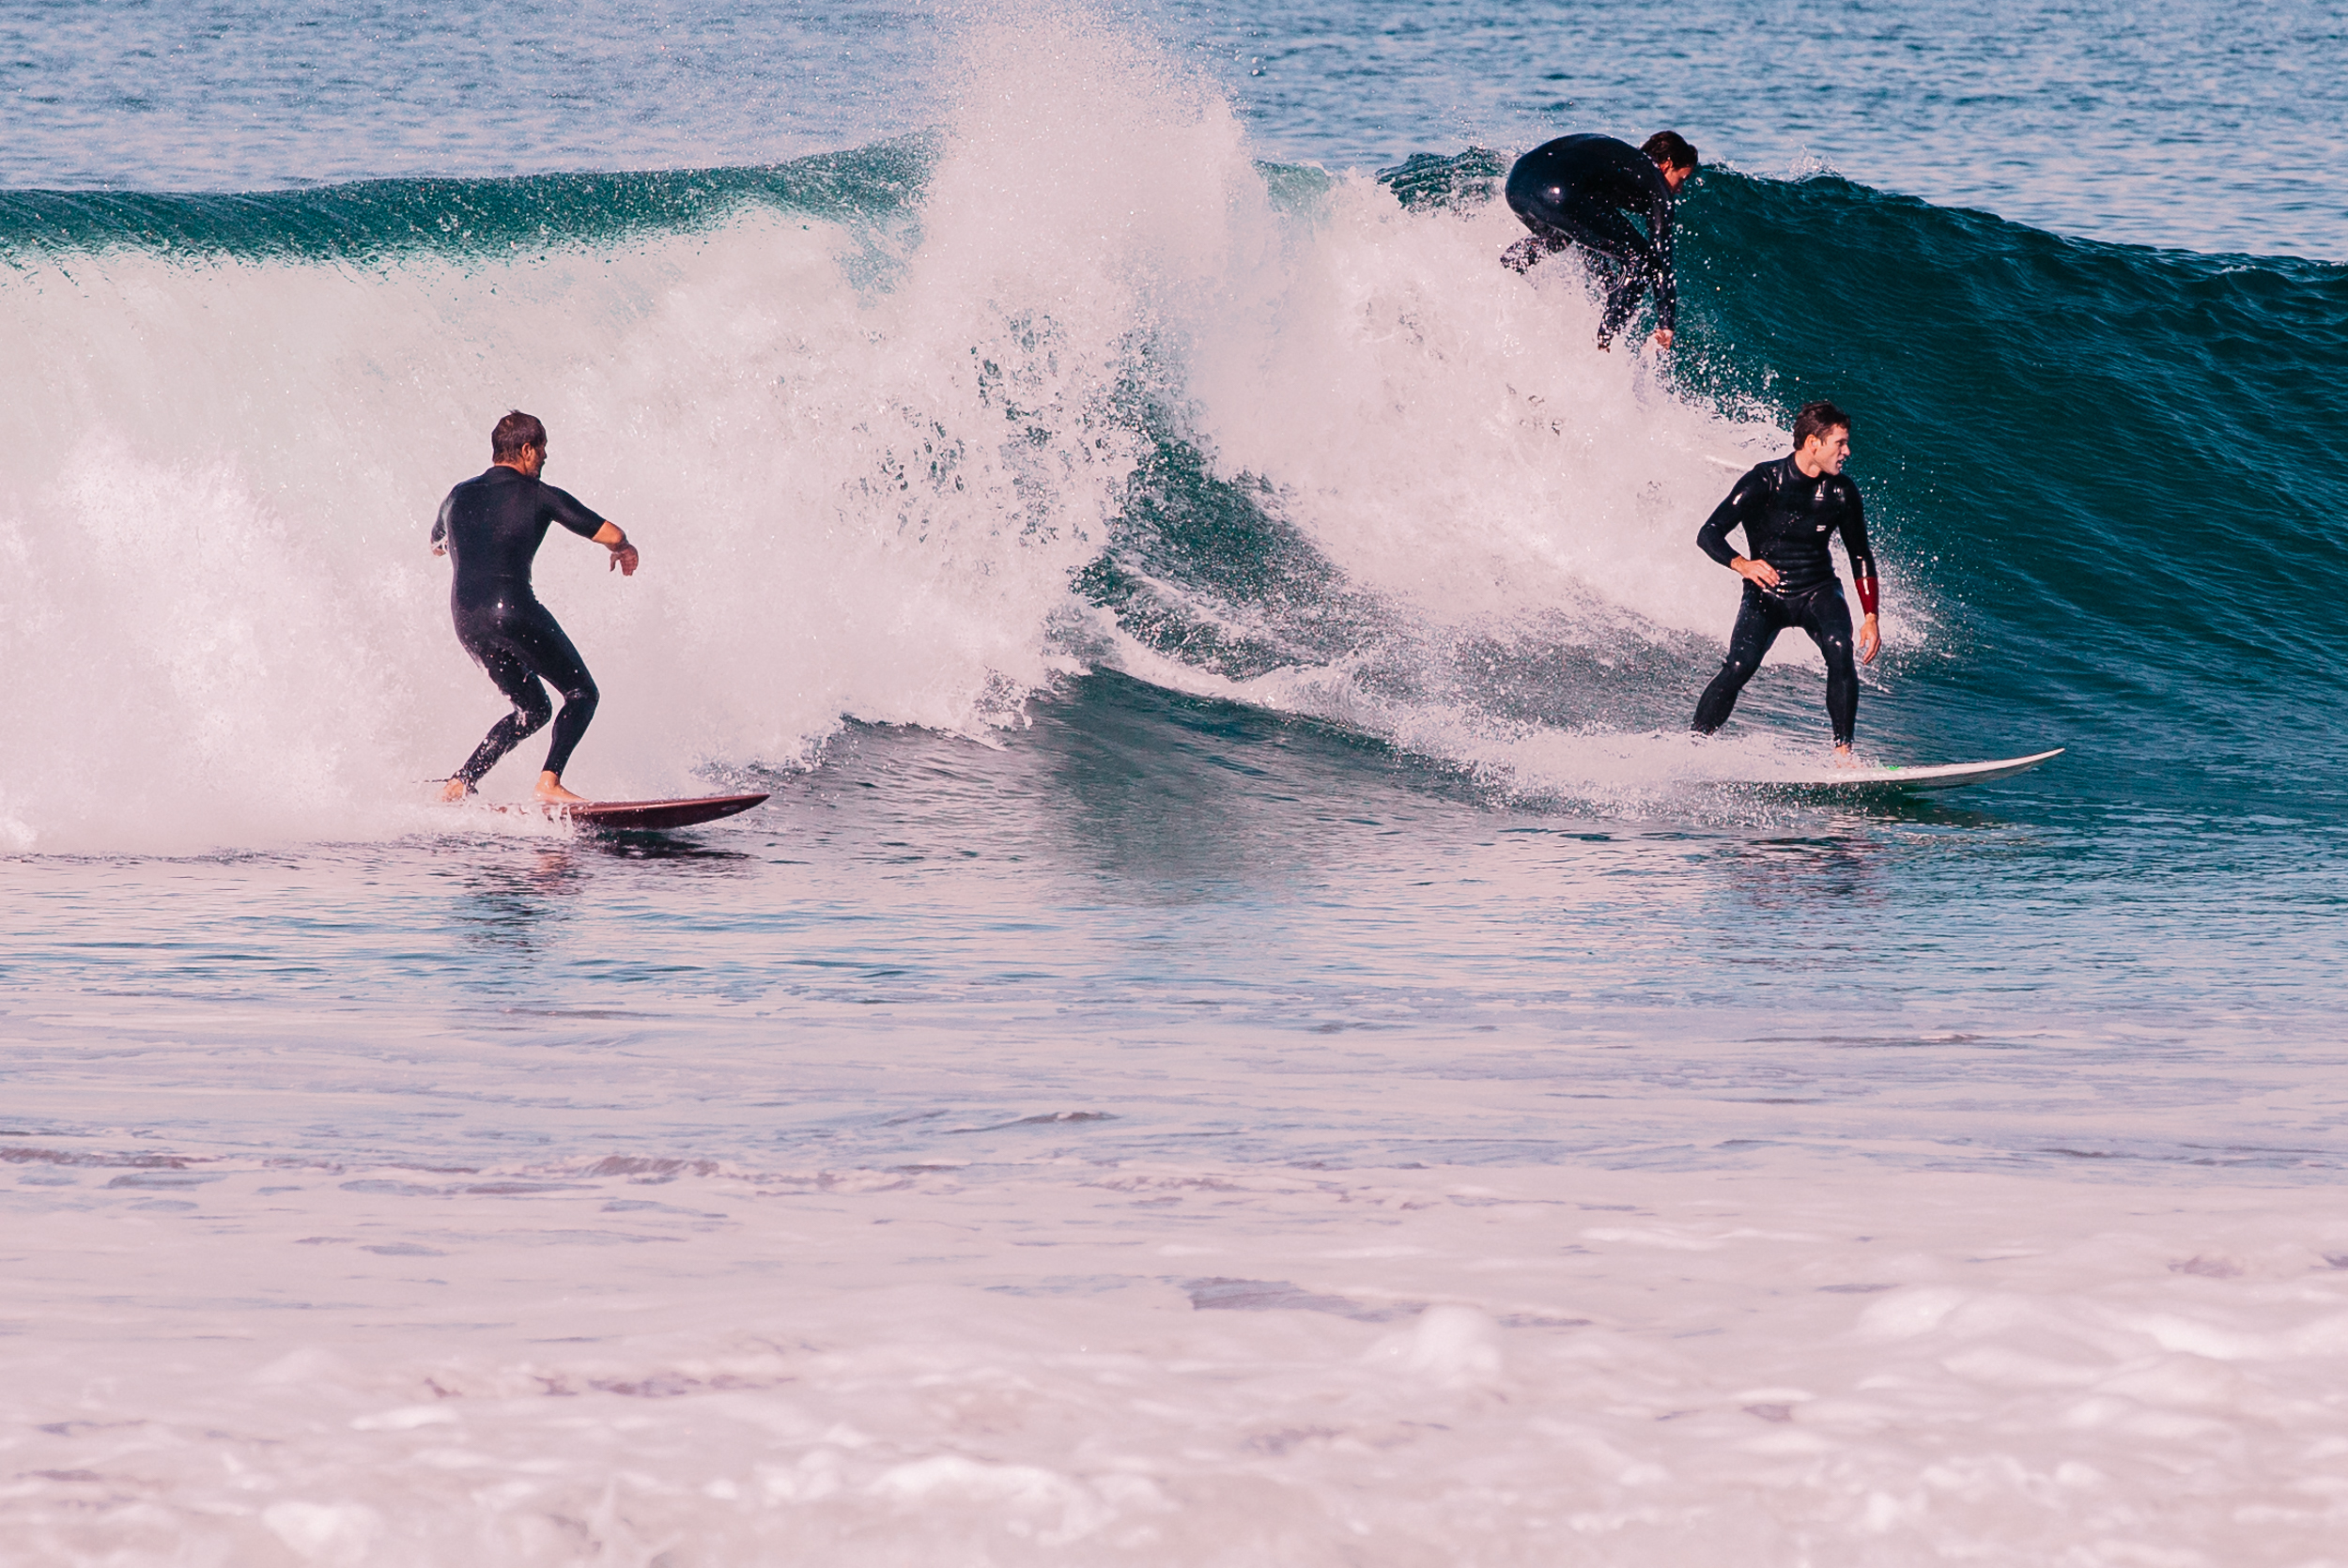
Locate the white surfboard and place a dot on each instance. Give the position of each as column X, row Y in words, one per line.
column 1941, row 776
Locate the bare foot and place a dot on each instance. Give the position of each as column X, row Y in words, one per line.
column 455, row 790
column 550, row 791
column 1844, row 758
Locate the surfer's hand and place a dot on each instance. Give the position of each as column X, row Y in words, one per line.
column 1759, row 573
column 1870, row 640
column 624, row 556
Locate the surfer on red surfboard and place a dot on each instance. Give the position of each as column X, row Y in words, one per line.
column 492, row 525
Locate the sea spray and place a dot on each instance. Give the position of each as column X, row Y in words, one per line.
column 856, row 494
column 869, row 442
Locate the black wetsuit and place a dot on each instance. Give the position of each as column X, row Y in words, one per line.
column 492, row 527
column 1582, row 190
column 1788, row 518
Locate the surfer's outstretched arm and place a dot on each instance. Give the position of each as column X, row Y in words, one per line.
column 623, row 553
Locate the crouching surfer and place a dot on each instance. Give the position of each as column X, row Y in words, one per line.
column 1582, row 193
column 491, row 526
column 1789, row 508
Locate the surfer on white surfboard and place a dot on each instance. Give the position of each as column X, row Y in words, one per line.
column 1789, row 508
column 492, row 525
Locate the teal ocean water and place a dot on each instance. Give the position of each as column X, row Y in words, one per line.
column 1247, row 1031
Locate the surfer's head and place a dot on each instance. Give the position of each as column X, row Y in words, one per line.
column 1821, row 437
column 520, row 441
column 1674, row 154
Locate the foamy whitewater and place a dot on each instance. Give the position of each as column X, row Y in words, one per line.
column 915, row 435
column 1247, row 1032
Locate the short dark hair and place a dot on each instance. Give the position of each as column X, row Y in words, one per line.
column 1816, row 419
column 515, row 432
column 1670, row 146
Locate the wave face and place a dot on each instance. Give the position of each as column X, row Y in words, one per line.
column 909, row 433
column 2113, row 470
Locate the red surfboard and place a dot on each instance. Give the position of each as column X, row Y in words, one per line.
column 646, row 814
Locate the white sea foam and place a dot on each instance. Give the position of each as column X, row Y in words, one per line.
column 1178, row 1364
column 221, row 625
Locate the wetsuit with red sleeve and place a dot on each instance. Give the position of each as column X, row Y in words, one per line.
column 1788, row 518
column 492, row 527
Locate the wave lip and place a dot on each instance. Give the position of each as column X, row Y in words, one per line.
column 378, row 221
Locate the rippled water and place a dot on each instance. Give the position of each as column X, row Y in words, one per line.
column 925, row 930
column 2198, row 125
